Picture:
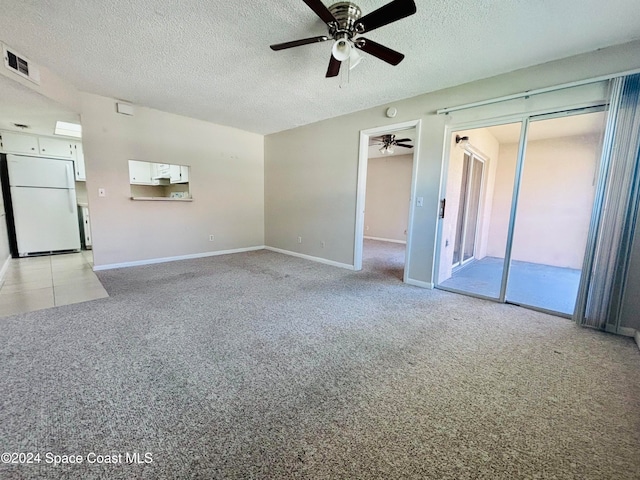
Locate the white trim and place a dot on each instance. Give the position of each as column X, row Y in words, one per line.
column 390, row 240
column 309, row 257
column 537, row 91
column 4, row 269
column 363, row 159
column 419, row 283
column 152, row 261
column 625, row 331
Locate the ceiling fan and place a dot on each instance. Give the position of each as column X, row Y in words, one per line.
column 388, row 142
column 345, row 23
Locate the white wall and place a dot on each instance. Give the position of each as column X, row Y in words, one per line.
column 388, row 196
column 310, row 190
column 555, row 201
column 227, row 184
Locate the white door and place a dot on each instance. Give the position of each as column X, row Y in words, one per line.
column 40, row 172
column 46, row 219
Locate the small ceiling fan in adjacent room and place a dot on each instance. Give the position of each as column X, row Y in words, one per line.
column 345, row 23
column 389, row 142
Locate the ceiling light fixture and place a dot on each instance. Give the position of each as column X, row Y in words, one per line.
column 386, row 149
column 354, row 58
column 341, row 49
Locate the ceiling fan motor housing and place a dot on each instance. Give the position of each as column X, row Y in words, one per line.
column 347, row 14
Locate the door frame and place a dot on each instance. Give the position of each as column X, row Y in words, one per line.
column 472, row 156
column 524, row 119
column 361, row 190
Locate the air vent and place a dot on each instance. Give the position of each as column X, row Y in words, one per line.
column 20, row 65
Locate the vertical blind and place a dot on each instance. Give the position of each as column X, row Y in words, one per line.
column 615, row 210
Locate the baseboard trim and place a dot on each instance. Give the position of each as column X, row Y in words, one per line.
column 152, row 261
column 419, row 283
column 390, row 240
column 630, row 332
column 4, row 269
column 310, row 257
column 626, row 331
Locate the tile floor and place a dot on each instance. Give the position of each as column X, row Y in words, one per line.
column 530, row 284
column 36, row 283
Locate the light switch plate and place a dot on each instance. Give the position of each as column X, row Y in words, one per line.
column 102, row 192
column 420, row 202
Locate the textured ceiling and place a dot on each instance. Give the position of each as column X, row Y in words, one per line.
column 211, row 59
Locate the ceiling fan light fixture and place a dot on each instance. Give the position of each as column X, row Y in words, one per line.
column 341, row 49
column 354, row 58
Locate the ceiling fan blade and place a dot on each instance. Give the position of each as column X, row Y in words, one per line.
column 404, row 145
column 403, row 140
column 334, row 67
column 380, row 51
column 298, row 43
column 321, row 10
column 391, row 12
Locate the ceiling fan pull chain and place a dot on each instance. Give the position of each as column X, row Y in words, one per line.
column 345, row 74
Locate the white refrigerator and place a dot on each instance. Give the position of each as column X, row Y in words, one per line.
column 43, row 201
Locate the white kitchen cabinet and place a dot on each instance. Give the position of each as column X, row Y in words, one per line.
column 140, row 173
column 179, row 174
column 78, row 162
column 25, row 144
column 54, row 147
column 163, row 170
column 19, row 143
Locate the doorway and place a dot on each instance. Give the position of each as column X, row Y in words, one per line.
column 386, row 182
column 464, row 247
column 534, row 210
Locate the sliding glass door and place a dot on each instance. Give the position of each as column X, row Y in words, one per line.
column 519, row 200
column 476, row 217
column 468, row 213
column 554, row 208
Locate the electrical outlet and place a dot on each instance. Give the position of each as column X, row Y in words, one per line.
column 299, row 239
column 211, row 238
column 366, row 228
column 322, row 244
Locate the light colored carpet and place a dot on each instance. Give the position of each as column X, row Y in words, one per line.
column 260, row 365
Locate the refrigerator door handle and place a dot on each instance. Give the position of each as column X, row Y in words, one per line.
column 70, row 187
column 71, row 200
